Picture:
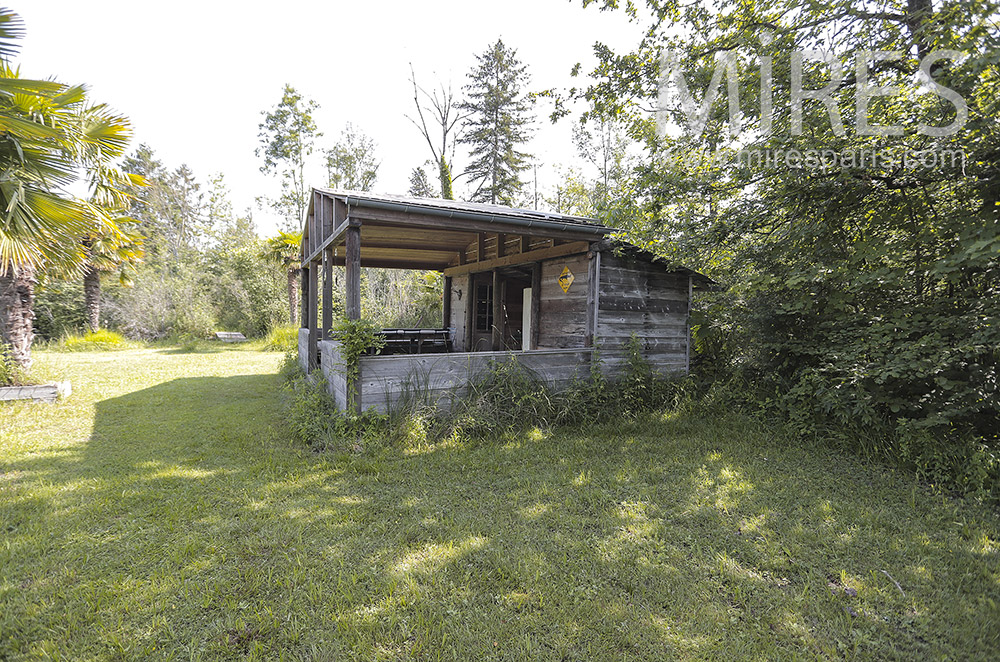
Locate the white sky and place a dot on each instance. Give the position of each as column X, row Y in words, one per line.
column 195, row 76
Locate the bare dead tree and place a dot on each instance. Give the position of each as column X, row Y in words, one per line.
column 440, row 106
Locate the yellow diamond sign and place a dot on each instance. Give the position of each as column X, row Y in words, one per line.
column 565, row 279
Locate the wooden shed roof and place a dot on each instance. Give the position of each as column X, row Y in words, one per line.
column 444, row 235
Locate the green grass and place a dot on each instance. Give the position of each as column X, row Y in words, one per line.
column 160, row 513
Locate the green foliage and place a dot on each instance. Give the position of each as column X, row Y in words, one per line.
column 58, row 308
column 169, row 303
column 248, row 296
column 287, row 136
column 356, row 338
column 314, row 419
column 351, row 163
column 420, row 186
column 95, row 341
column 863, row 300
column 282, row 339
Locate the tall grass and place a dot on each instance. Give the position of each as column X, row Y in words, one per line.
column 101, row 340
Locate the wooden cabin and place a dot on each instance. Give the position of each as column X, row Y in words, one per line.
column 544, row 289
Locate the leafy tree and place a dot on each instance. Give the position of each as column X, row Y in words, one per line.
column 420, row 187
column 862, row 293
column 283, row 250
column 287, row 137
column 441, row 107
column 169, row 209
column 351, row 163
column 50, row 133
column 499, row 119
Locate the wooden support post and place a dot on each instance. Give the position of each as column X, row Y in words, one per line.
column 446, row 303
column 525, row 243
column 304, row 297
column 352, row 304
column 593, row 296
column 498, row 325
column 687, row 334
column 536, row 302
column 327, row 292
column 481, row 247
column 313, row 321
column 470, row 310
column 501, row 244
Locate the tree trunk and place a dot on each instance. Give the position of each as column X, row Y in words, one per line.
column 17, row 298
column 92, row 298
column 293, row 296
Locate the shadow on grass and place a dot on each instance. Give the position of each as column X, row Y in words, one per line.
column 188, row 525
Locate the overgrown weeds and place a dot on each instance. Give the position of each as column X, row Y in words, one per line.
column 503, row 402
column 281, row 339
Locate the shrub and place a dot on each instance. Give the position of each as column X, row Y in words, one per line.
column 96, row 341
column 314, row 419
column 282, row 339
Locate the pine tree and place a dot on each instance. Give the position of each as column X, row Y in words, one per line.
column 420, row 186
column 499, row 118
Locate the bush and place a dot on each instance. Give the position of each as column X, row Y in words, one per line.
column 58, row 308
column 96, row 341
column 282, row 339
column 314, row 419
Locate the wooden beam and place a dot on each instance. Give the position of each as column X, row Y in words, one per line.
column 481, row 247
column 352, row 303
column 304, row 296
column 536, row 303
column 470, row 310
column 519, row 258
column 313, row 322
column 687, row 327
column 327, row 292
column 446, row 303
column 501, row 247
column 498, row 325
column 525, row 243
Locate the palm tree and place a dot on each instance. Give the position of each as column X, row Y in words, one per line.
column 48, row 132
column 108, row 252
column 283, row 250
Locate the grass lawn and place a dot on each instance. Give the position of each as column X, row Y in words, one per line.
column 160, row 513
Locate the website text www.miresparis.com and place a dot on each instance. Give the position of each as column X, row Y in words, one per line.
column 821, row 159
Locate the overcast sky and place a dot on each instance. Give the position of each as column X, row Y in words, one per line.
column 195, row 76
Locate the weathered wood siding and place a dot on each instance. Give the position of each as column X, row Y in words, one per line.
column 640, row 297
column 440, row 378
column 333, row 371
column 562, row 319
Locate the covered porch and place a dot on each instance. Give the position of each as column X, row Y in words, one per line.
column 492, row 261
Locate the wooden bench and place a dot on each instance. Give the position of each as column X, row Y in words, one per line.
column 230, row 336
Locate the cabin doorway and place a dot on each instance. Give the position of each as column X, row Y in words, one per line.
column 506, row 321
